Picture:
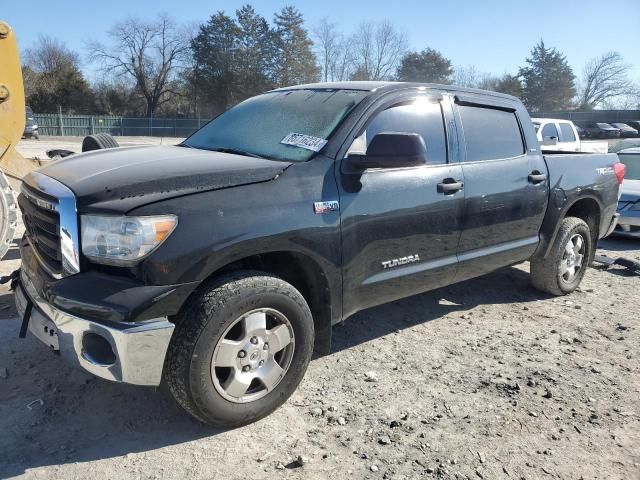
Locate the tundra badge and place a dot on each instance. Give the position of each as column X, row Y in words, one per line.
column 324, row 207
column 394, row 262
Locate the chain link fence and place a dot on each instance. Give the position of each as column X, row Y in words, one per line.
column 81, row 125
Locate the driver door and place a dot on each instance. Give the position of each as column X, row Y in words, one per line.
column 400, row 231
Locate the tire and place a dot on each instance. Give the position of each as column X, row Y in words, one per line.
column 221, row 316
column 8, row 215
column 98, row 142
column 562, row 270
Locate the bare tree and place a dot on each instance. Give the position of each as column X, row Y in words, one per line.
column 466, row 77
column 333, row 51
column 327, row 40
column 50, row 55
column 150, row 53
column 629, row 100
column 378, row 50
column 603, row 79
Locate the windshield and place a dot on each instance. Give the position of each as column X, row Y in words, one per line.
column 632, row 162
column 259, row 125
column 604, row 125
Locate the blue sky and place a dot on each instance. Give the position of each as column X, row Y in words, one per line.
column 494, row 35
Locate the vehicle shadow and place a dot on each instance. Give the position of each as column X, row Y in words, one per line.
column 52, row 414
column 509, row 285
column 619, row 244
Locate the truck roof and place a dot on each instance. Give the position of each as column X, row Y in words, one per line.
column 540, row 119
column 384, row 86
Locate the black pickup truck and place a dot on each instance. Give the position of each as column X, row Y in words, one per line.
column 220, row 264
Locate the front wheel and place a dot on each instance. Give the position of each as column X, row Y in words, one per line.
column 240, row 349
column 561, row 271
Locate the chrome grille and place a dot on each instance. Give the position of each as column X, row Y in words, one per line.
column 42, row 224
column 51, row 221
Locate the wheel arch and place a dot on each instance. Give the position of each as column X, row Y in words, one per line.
column 588, row 208
column 301, row 271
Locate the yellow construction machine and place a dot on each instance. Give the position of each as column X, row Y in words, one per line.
column 12, row 119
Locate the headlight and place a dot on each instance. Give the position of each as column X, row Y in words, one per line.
column 123, row 241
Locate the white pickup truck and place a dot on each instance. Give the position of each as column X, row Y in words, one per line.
column 557, row 134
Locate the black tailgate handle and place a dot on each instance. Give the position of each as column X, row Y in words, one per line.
column 449, row 186
column 537, row 177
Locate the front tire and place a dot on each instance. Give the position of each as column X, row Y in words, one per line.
column 561, row 271
column 240, row 349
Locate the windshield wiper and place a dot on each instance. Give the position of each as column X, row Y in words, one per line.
column 236, row 151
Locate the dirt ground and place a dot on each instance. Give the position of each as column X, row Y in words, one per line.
column 486, row 379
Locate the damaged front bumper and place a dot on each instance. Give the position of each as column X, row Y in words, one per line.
column 129, row 352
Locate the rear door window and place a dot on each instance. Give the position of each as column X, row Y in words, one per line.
column 490, row 133
column 567, row 132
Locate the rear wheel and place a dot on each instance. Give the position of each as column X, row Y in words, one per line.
column 240, row 349
column 562, row 270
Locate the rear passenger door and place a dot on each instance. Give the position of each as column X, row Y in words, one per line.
column 506, row 186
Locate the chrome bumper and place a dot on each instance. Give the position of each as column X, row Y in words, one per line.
column 133, row 353
column 629, row 220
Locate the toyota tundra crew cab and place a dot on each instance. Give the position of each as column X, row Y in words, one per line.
column 220, row 264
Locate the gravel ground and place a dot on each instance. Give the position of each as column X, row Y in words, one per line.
column 482, row 380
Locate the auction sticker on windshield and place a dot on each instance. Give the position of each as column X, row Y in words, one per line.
column 304, row 141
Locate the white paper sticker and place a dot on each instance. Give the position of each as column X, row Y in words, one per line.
column 304, row 141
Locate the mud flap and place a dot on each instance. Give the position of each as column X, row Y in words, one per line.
column 25, row 320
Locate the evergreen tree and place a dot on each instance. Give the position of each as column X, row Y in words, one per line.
column 215, row 49
column 256, row 53
column 548, row 83
column 296, row 62
column 426, row 66
column 509, row 84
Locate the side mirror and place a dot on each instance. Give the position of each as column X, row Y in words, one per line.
column 391, row 150
column 550, row 141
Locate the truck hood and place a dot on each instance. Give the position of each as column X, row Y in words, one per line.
column 121, row 179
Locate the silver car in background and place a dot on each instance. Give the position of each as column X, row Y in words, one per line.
column 629, row 202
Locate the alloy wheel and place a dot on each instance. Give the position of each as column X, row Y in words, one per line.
column 572, row 258
column 253, row 355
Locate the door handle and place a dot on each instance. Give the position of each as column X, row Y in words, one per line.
column 537, row 177
column 449, row 186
